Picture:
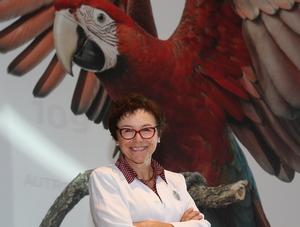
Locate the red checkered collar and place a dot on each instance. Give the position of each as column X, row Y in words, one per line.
column 130, row 174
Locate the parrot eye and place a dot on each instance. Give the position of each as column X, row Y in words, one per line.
column 101, row 18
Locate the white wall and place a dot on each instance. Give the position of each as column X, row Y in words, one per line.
column 43, row 146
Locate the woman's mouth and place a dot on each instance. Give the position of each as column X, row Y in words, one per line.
column 138, row 149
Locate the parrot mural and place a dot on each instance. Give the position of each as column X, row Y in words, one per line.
column 230, row 70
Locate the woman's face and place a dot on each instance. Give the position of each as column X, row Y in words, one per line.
column 137, row 150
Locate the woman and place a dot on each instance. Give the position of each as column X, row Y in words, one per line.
column 136, row 190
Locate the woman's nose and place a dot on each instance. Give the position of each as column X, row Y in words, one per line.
column 138, row 137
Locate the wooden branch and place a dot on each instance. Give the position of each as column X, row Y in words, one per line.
column 214, row 197
column 71, row 195
column 204, row 196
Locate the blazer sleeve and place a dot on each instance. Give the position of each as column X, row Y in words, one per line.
column 188, row 203
column 107, row 206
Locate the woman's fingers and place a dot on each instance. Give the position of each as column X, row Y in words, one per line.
column 191, row 214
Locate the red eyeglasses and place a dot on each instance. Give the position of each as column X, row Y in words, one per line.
column 130, row 133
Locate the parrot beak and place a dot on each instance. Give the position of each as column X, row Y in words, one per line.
column 65, row 38
column 72, row 44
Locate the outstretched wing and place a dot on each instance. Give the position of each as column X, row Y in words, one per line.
column 254, row 58
column 34, row 24
column 271, row 30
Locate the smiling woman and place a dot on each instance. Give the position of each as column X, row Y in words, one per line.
column 136, row 190
column 137, row 146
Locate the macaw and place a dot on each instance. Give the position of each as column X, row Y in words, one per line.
column 230, row 70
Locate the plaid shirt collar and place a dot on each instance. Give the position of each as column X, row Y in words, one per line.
column 130, row 174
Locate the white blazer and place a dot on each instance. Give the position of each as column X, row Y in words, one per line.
column 115, row 203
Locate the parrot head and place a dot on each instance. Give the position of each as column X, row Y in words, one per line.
column 86, row 33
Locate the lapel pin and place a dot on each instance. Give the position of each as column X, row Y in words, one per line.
column 176, row 195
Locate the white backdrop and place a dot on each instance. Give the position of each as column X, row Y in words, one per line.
column 43, row 146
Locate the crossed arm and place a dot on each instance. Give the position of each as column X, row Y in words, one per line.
column 189, row 214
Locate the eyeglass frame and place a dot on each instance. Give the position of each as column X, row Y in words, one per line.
column 137, row 132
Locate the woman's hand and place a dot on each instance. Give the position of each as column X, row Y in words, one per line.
column 151, row 224
column 191, row 214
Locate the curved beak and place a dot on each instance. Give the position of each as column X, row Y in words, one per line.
column 72, row 44
column 65, row 38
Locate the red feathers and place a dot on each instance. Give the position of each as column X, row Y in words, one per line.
column 114, row 11
column 69, row 4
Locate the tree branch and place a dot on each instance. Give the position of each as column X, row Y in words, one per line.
column 214, row 197
column 71, row 195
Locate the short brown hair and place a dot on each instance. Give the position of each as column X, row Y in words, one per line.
column 130, row 104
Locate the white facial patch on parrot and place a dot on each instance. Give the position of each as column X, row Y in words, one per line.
column 100, row 28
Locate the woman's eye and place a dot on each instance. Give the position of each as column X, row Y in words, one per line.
column 146, row 129
column 127, row 130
